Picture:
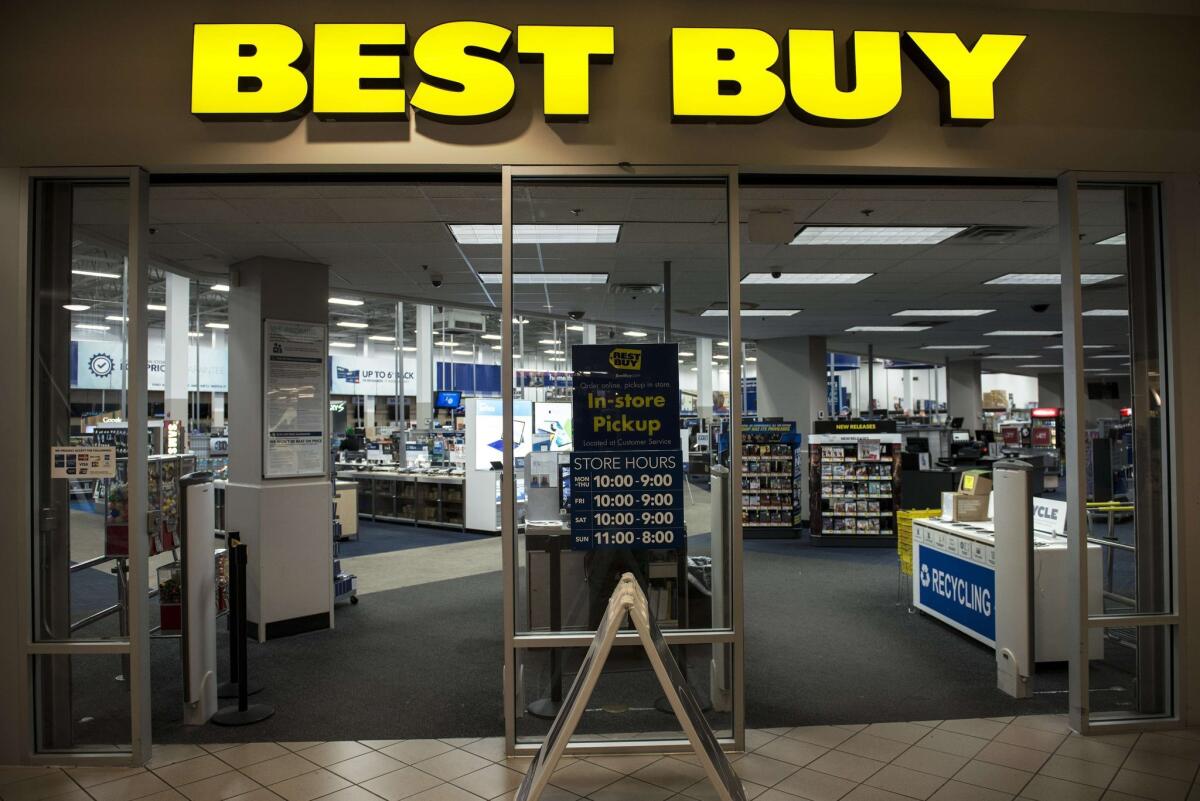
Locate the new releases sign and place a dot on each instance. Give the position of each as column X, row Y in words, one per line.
column 959, row 591
column 261, row 71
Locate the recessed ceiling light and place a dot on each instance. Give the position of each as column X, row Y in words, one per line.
column 886, row 328
column 95, row 274
column 724, row 343
column 76, row 307
column 557, row 358
column 463, row 352
column 751, row 358
column 90, row 327
column 720, row 356
column 1119, row 239
column 576, row 328
column 547, row 278
column 219, row 287
column 943, row 312
column 1085, row 347
column 686, row 353
column 537, row 234
column 349, row 324
column 493, row 337
column 1049, row 279
column 547, row 341
column 752, row 312
column 634, row 334
column 195, row 333
column 116, row 318
column 155, row 307
column 516, row 356
column 410, row 348
column 1014, row 333
column 693, row 369
column 381, row 338
column 1008, row 356
column 341, row 344
column 955, row 347
column 445, row 343
column 1106, row 313
column 553, row 352
column 806, row 278
column 496, row 347
column 875, row 234
column 219, row 326
column 345, row 302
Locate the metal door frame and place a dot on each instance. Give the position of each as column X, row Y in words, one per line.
column 137, row 645
column 734, row 635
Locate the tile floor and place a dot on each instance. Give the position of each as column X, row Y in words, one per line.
column 1034, row 757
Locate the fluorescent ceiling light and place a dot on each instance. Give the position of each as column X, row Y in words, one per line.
column 410, row 348
column 557, row 358
column 345, row 302
column 1012, row 333
column 381, row 338
column 751, row 358
column 693, row 369
column 116, row 318
column 875, row 234
column 90, row 327
column 219, row 326
column 95, row 274
column 547, row 341
column 720, row 356
column 348, row 324
column 75, row 307
column 1106, row 313
column 341, row 344
column 195, row 333
column 155, row 307
column 516, row 356
column 634, row 334
column 943, row 312
column 553, row 352
column 752, row 312
column 219, row 287
column 1119, row 239
column 1041, row 366
column 1085, row 347
column 496, row 347
column 1097, row 370
column 463, row 352
column 1049, row 279
column 1111, row 356
column 576, row 328
column 521, row 320
column 724, row 343
column 446, row 343
column 806, row 278
column 494, row 337
column 886, row 328
column 686, row 353
column 1007, row 356
column 537, row 234
column 547, row 278
column 955, row 347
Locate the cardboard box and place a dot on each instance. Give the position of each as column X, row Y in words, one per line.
column 975, row 482
column 995, row 399
column 970, row 508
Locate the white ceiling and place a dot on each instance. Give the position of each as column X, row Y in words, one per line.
column 380, row 238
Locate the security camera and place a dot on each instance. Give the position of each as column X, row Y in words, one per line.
column 435, row 279
column 576, row 315
column 776, row 274
column 1040, row 307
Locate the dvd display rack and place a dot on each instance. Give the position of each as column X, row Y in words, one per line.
column 771, row 489
column 854, row 488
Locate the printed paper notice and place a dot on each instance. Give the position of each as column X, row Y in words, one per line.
column 97, row 461
column 294, row 399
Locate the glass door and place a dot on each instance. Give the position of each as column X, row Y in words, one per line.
column 86, row 649
column 618, row 343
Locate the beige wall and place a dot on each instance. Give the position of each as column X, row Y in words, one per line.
column 108, row 83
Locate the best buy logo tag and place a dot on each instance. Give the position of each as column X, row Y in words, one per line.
column 625, row 358
column 262, row 71
column 968, row 482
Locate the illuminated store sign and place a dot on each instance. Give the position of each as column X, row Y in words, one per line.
column 262, row 72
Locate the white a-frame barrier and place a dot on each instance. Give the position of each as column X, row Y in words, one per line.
column 628, row 600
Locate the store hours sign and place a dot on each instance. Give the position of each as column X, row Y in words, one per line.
column 627, row 469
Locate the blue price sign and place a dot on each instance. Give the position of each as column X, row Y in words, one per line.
column 961, row 592
column 626, row 499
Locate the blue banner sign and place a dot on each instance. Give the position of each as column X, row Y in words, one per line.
column 962, row 592
column 627, row 499
column 626, row 396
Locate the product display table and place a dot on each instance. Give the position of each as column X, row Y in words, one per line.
column 427, row 497
column 954, row 580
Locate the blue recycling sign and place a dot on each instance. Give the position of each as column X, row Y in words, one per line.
column 960, row 590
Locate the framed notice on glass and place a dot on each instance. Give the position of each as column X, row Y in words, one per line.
column 295, row 399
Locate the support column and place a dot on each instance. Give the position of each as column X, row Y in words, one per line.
column 368, row 400
column 1050, row 389
column 218, row 409
column 589, row 333
column 792, row 383
column 175, row 336
column 964, row 392
column 285, row 523
column 425, row 366
column 704, row 378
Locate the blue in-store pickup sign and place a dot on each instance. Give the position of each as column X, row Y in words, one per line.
column 627, row 499
column 959, row 590
column 626, row 396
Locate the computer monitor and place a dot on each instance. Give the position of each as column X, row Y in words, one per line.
column 917, row 445
column 956, row 422
column 447, row 399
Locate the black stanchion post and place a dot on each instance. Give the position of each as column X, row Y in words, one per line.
column 244, row 713
column 230, row 689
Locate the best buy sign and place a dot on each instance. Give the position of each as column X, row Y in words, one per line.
column 261, row 71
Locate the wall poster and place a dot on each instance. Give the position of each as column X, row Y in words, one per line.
column 295, row 399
